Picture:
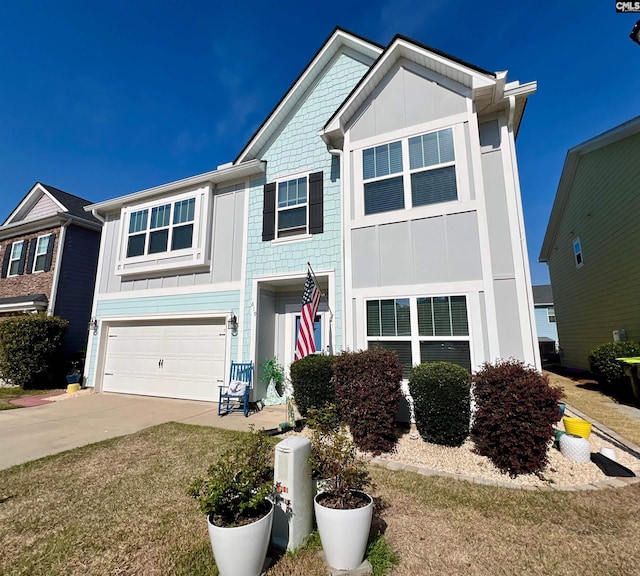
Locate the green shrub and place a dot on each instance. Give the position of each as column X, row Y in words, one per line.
column 312, row 381
column 30, row 350
column 516, row 411
column 603, row 364
column 441, row 393
column 368, row 395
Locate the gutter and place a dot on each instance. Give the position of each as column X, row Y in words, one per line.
column 58, row 267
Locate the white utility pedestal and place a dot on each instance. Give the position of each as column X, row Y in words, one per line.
column 293, row 513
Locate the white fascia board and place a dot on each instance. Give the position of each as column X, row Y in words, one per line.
column 250, row 168
column 519, row 90
column 19, row 228
column 24, row 306
column 338, row 39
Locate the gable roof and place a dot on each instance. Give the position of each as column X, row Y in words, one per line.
column 488, row 88
column 338, row 39
column 68, row 204
column 542, row 295
column 565, row 186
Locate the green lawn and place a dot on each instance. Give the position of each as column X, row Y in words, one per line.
column 119, row 507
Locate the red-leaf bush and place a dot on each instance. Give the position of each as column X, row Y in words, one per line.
column 368, row 394
column 516, row 411
column 441, row 402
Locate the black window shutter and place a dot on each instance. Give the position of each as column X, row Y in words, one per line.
column 32, row 252
column 49, row 256
column 5, row 259
column 269, row 212
column 316, row 204
column 23, row 258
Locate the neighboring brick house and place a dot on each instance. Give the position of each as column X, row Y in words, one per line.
column 49, row 253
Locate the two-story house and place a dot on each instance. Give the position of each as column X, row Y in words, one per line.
column 391, row 170
column 49, row 254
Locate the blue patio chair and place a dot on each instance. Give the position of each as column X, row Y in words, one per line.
column 234, row 396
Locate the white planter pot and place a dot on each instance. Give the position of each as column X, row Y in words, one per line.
column 344, row 533
column 575, row 448
column 241, row 551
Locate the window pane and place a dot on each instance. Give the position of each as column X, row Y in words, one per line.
column 455, row 352
column 459, row 316
column 158, row 241
column 136, row 245
column 39, row 264
column 430, row 149
column 395, row 157
column 441, row 317
column 183, row 211
column 302, row 191
column 368, row 164
column 292, row 218
column 425, row 317
column 433, row 186
column 388, row 317
column 160, row 216
column 403, row 316
column 384, row 195
column 402, row 350
column 445, row 144
column 382, row 160
column 182, row 237
column 138, row 221
column 415, row 153
column 373, row 318
column 282, row 195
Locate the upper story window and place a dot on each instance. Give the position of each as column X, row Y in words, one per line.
column 293, row 207
column 165, row 234
column 161, row 228
column 17, row 251
column 40, row 255
column 292, row 213
column 551, row 315
column 577, row 252
column 411, row 172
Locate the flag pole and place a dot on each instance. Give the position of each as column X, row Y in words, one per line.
column 315, row 280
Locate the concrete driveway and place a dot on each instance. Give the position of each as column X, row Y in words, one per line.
column 30, row 433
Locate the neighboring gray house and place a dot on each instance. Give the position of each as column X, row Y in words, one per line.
column 391, row 169
column 545, row 322
column 49, row 253
column 591, row 244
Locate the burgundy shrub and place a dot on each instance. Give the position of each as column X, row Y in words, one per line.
column 516, row 411
column 368, row 395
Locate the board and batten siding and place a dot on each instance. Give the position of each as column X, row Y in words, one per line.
column 174, row 306
column 603, row 209
column 225, row 237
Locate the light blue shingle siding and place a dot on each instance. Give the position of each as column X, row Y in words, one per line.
column 297, row 147
column 544, row 327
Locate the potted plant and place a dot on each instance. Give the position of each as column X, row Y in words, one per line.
column 234, row 497
column 343, row 510
column 273, row 372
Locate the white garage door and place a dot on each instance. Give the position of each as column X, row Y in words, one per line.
column 177, row 360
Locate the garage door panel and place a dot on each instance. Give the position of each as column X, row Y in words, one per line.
column 179, row 360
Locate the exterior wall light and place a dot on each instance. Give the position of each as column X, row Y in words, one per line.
column 232, row 324
column 93, row 326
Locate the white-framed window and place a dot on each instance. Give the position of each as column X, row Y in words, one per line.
column 292, row 207
column 17, row 248
column 420, row 329
column 410, row 172
column 577, row 252
column 164, row 234
column 40, row 255
column 551, row 315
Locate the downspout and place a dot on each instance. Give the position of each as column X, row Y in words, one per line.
column 522, row 238
column 340, row 154
column 56, row 271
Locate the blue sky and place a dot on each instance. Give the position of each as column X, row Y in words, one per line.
column 104, row 99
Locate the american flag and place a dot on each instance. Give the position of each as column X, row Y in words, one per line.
column 310, row 299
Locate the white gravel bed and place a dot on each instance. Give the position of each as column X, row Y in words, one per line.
column 67, row 396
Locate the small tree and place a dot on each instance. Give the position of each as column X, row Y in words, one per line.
column 441, row 401
column 30, row 349
column 517, row 409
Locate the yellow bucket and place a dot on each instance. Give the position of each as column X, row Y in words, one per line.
column 577, row 426
column 71, row 388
